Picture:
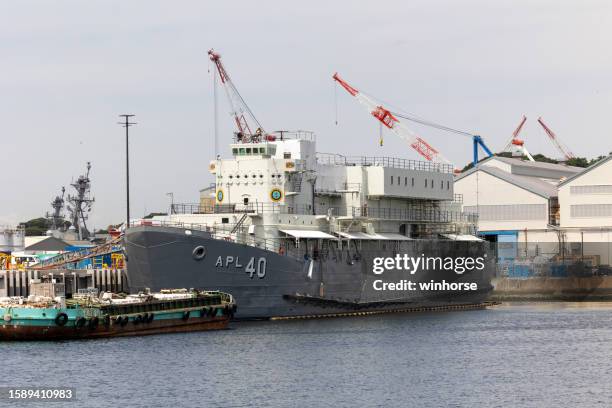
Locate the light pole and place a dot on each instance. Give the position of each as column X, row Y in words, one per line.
column 171, row 195
column 126, row 124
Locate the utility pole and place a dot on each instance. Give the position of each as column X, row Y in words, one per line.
column 126, row 124
column 171, row 195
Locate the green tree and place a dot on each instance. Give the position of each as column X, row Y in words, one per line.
column 578, row 162
column 595, row 160
column 541, row 158
column 36, row 226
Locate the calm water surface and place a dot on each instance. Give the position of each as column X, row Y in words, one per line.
column 539, row 355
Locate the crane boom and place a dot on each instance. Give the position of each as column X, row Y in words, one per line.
column 514, row 139
column 555, row 140
column 389, row 120
column 517, row 143
column 243, row 116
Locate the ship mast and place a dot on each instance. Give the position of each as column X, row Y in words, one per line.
column 81, row 204
column 57, row 217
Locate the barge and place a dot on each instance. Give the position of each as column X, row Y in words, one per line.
column 110, row 315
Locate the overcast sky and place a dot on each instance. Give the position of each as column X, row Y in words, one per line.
column 68, row 68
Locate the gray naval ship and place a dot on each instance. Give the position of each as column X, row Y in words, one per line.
column 289, row 232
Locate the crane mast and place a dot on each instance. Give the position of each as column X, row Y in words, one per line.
column 245, row 120
column 514, row 140
column 555, row 140
column 517, row 143
column 389, row 120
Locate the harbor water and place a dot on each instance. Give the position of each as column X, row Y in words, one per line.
column 527, row 355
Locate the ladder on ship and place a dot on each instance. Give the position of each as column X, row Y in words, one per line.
column 296, row 181
column 239, row 223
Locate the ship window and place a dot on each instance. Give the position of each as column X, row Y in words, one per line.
column 287, row 155
column 261, row 176
column 441, row 184
column 248, row 150
column 432, row 186
column 254, row 176
column 405, row 181
column 231, row 176
column 245, row 200
column 225, row 220
column 241, row 150
column 235, row 150
column 413, row 182
column 273, row 175
column 448, row 185
column 391, row 180
column 237, row 175
column 425, row 182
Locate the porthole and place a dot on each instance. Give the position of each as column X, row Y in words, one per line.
column 199, row 253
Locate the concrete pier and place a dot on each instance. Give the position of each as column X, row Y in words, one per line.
column 16, row 282
column 592, row 288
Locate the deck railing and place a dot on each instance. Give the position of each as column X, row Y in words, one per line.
column 383, row 161
column 417, row 213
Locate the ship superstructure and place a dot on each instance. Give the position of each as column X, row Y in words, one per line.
column 56, row 218
column 283, row 182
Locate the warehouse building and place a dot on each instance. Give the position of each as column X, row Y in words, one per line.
column 586, row 205
column 512, row 196
column 533, row 209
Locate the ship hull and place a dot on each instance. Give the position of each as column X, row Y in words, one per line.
column 39, row 323
column 268, row 284
column 50, row 331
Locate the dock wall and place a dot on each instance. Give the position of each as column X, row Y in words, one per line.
column 592, row 288
column 16, row 282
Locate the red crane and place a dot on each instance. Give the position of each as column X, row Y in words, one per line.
column 387, row 118
column 517, row 143
column 244, row 117
column 567, row 154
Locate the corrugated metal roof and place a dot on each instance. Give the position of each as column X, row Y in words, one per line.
column 44, row 243
column 535, row 165
column 584, row 171
column 532, row 184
